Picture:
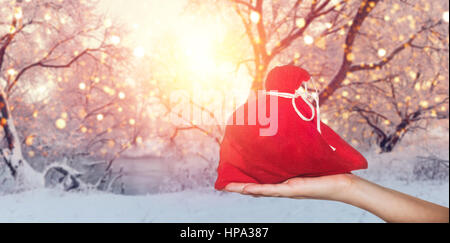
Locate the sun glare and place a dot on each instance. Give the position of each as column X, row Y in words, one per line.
column 192, row 51
column 139, row 52
column 199, row 52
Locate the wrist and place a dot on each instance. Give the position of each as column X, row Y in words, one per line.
column 361, row 193
column 350, row 189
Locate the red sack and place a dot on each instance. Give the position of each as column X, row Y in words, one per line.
column 300, row 148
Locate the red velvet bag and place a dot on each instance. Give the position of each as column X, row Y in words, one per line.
column 302, row 147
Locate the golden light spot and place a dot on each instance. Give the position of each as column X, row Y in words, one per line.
column 64, row 115
column 109, row 91
column 309, row 40
column 321, row 43
column 122, row 95
column 445, row 16
column 115, row 40
column 100, row 117
column 84, row 129
column 3, row 122
column 82, row 113
column 108, row 23
column 139, row 52
column 11, row 72
column 434, row 113
column 382, row 52
column 350, row 57
column 132, row 122
column 300, row 23
column 255, row 17
column 60, row 124
column 103, row 151
column 417, row 87
column 31, row 154
column 345, row 94
column 47, row 17
column 424, row 104
column 12, row 29
column 29, row 140
column 18, row 14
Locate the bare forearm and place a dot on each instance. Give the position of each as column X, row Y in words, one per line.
column 393, row 206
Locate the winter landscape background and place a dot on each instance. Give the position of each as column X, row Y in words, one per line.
column 401, row 171
column 94, row 97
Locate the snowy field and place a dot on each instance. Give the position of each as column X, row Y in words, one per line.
column 394, row 170
column 190, row 206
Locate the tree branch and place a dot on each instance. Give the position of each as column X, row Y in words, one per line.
column 365, row 9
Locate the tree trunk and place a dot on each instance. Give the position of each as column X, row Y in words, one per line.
column 260, row 73
column 387, row 145
column 19, row 167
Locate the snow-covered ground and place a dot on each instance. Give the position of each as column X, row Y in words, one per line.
column 190, row 206
column 206, row 205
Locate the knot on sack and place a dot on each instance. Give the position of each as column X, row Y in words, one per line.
column 301, row 92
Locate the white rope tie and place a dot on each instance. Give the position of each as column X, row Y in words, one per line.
column 303, row 93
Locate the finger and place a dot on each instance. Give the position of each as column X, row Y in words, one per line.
column 236, row 187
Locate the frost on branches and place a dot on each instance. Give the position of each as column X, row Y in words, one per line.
column 63, row 96
column 74, row 100
column 382, row 65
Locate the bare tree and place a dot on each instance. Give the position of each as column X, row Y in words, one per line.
column 66, row 53
column 349, row 43
column 392, row 122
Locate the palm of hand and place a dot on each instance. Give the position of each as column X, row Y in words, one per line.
column 323, row 188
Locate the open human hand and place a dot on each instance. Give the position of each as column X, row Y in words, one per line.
column 389, row 205
column 333, row 188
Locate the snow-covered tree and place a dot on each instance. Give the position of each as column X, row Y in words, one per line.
column 65, row 93
column 354, row 49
